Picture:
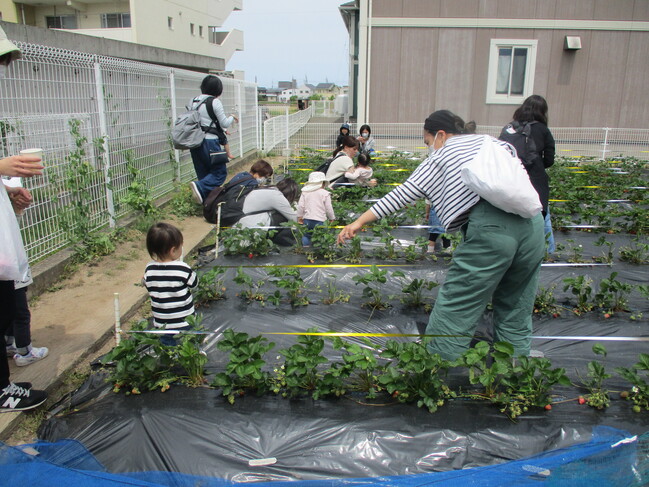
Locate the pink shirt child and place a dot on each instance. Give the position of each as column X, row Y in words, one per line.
column 316, row 205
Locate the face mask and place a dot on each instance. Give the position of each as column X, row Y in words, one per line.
column 182, row 254
column 365, row 135
column 261, row 181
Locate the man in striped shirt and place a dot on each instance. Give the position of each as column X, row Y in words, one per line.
column 499, row 258
column 168, row 279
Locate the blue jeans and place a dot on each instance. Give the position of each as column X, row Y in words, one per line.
column 209, row 175
column 434, row 222
column 310, row 224
column 170, row 340
column 549, row 236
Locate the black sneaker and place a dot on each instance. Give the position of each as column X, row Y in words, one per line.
column 15, row 398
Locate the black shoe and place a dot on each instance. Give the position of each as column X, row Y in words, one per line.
column 24, row 385
column 15, row 398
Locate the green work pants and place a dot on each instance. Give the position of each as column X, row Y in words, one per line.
column 499, row 261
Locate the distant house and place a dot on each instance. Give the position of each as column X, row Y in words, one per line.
column 286, row 85
column 302, row 92
column 588, row 58
column 327, row 89
column 272, row 94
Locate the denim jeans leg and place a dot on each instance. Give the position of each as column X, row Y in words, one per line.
column 310, row 224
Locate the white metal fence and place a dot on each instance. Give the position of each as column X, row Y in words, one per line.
column 115, row 115
column 408, row 137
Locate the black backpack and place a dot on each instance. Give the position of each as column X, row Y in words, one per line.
column 232, row 197
column 520, row 136
column 324, row 167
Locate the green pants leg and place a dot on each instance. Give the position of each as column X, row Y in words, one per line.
column 500, row 257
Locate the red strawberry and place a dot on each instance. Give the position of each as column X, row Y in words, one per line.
column 548, row 407
column 581, row 400
column 251, row 255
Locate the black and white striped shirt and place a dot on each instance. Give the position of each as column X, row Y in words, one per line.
column 438, row 179
column 169, row 286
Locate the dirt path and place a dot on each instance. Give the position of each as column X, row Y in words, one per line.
column 76, row 319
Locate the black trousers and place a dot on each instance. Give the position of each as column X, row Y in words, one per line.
column 7, row 310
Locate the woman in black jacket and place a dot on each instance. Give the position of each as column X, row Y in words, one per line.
column 534, row 111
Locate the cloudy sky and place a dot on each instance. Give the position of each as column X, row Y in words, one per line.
column 286, row 39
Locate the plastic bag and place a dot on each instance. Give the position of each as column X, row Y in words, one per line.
column 14, row 265
column 500, row 178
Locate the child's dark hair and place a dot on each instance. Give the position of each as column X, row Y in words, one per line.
column 212, row 86
column 161, row 238
column 262, row 168
column 364, row 159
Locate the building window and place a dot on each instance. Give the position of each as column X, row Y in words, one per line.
column 170, row 23
column 213, row 35
column 511, row 70
column 191, row 29
column 200, row 30
column 115, row 21
column 61, row 21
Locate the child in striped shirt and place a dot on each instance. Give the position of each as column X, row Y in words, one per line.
column 168, row 280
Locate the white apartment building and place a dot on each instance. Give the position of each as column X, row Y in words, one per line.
column 181, row 25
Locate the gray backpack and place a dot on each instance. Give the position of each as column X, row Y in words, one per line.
column 187, row 132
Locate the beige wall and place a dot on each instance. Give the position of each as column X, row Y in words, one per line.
column 514, row 9
column 415, row 70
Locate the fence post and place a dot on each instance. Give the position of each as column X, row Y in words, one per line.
column 605, row 144
column 103, row 127
column 172, row 88
column 257, row 121
column 287, row 136
column 239, row 98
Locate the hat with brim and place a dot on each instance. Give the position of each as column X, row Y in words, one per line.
column 315, row 181
column 8, row 47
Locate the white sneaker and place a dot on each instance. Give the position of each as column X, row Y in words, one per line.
column 34, row 355
column 196, row 192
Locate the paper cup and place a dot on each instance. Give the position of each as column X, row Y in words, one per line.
column 32, row 152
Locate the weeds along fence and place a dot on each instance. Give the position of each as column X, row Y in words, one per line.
column 103, row 123
column 599, row 143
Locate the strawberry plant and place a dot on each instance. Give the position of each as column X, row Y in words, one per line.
column 640, row 386
column 388, row 250
column 608, row 255
column 529, row 385
column 333, row 293
column 323, row 244
column 545, row 302
column 354, row 251
column 140, row 362
column 252, row 292
column 635, row 253
column 416, row 251
column 612, row 294
column 413, row 375
column 244, row 369
column 413, row 290
column 210, row 286
column 301, row 362
column 359, row 366
column 580, row 287
column 291, row 280
column 248, row 241
column 598, row 397
column 372, row 290
column 478, row 360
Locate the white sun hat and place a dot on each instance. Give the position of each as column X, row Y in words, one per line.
column 6, row 47
column 316, row 179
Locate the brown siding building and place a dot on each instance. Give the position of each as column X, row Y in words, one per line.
column 482, row 58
